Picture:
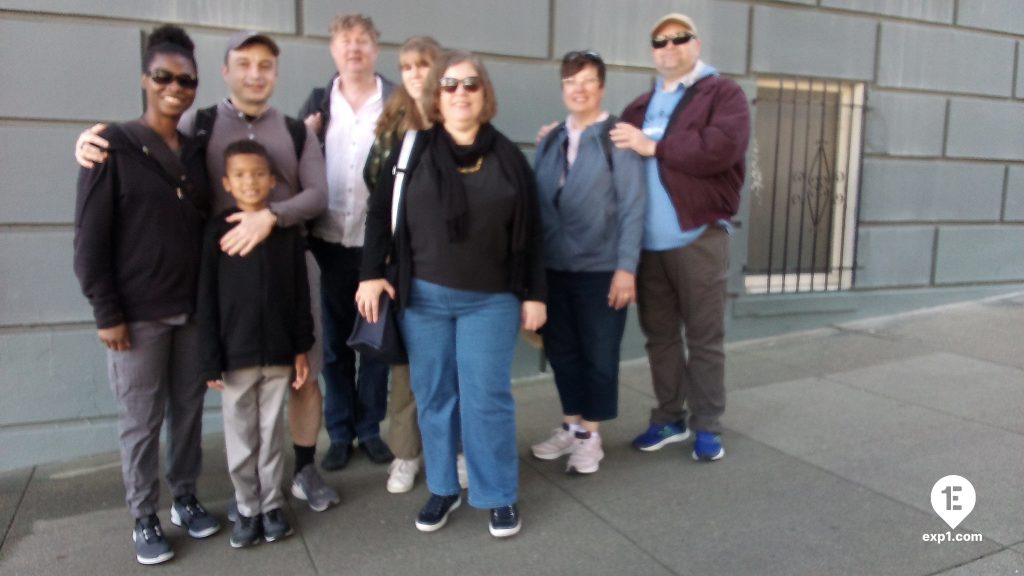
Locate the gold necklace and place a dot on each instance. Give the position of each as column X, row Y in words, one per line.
column 471, row 169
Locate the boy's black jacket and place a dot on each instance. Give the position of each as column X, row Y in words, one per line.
column 252, row 310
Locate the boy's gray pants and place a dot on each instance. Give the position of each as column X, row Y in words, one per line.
column 158, row 377
column 253, row 407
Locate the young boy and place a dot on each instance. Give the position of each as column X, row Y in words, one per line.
column 256, row 327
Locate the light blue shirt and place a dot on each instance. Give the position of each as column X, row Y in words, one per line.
column 661, row 224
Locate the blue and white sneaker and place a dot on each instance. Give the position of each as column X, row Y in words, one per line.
column 658, row 436
column 505, row 521
column 189, row 514
column 434, row 514
column 708, row 446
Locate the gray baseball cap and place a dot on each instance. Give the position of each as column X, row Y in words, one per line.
column 245, row 37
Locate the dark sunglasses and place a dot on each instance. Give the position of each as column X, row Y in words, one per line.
column 676, row 39
column 165, row 77
column 588, row 55
column 470, row 83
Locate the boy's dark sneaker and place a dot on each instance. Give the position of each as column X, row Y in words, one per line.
column 657, row 436
column 376, row 450
column 188, row 513
column 434, row 514
column 505, row 521
column 275, row 527
column 150, row 545
column 708, row 446
column 247, row 531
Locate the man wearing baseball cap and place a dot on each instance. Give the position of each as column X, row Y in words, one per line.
column 692, row 130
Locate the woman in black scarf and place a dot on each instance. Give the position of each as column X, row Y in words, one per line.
column 468, row 244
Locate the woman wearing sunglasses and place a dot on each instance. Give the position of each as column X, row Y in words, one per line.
column 138, row 224
column 592, row 202
column 468, row 244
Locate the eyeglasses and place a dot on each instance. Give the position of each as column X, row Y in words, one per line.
column 679, row 39
column 470, row 83
column 583, row 82
column 165, row 77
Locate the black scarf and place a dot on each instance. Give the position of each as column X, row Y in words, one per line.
column 448, row 157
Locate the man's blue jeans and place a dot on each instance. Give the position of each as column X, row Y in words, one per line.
column 461, row 345
column 352, row 409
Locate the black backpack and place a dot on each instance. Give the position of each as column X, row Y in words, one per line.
column 606, row 139
column 205, row 118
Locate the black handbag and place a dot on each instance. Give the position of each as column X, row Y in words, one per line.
column 381, row 341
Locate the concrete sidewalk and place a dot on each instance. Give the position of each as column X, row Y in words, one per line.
column 834, row 440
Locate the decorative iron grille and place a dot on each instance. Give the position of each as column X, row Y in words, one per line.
column 805, row 181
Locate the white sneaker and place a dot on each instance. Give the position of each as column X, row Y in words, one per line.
column 460, row 468
column 560, row 443
column 402, row 475
column 586, row 456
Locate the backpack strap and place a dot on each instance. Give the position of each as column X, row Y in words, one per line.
column 606, row 140
column 400, row 168
column 297, row 130
column 205, row 118
column 549, row 138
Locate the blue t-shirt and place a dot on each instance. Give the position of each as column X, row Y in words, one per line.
column 661, row 225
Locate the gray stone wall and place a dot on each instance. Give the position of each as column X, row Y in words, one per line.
column 942, row 200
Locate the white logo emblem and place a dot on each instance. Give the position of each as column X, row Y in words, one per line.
column 953, row 499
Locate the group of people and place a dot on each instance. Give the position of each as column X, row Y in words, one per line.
column 406, row 190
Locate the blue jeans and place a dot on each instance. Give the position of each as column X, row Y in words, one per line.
column 461, row 345
column 352, row 408
column 581, row 339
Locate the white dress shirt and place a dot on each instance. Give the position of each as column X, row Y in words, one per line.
column 349, row 137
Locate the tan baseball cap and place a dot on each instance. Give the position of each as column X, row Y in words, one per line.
column 675, row 17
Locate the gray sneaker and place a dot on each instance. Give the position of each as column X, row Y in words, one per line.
column 247, row 531
column 188, row 513
column 309, row 486
column 150, row 545
column 275, row 527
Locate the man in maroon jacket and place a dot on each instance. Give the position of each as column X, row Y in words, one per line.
column 692, row 130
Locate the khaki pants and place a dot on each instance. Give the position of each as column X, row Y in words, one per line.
column 681, row 305
column 404, row 431
column 253, row 434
